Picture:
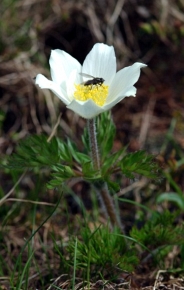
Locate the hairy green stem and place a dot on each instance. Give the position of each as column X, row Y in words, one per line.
column 102, row 187
column 93, row 144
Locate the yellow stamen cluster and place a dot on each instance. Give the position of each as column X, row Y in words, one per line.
column 97, row 93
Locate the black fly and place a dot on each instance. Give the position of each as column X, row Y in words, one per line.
column 93, row 82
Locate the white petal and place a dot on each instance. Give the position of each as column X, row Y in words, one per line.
column 87, row 110
column 123, row 80
column 70, row 83
column 44, row 83
column 61, row 64
column 101, row 62
column 130, row 92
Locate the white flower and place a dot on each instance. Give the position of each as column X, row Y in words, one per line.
column 89, row 100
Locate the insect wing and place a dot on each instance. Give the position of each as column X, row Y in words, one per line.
column 86, row 75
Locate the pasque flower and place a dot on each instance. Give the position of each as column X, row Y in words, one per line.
column 95, row 86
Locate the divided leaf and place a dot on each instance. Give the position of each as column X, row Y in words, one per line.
column 105, row 134
column 34, row 152
column 138, row 163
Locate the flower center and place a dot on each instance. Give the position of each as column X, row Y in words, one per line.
column 97, row 93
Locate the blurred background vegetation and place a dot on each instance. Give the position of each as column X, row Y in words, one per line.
column 148, row 31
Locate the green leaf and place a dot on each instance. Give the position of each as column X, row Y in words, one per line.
column 159, row 230
column 172, row 197
column 77, row 156
column 173, row 183
column 64, row 151
column 110, row 162
column 63, row 169
column 34, row 152
column 113, row 186
column 140, row 163
column 89, row 173
column 105, row 134
column 55, row 182
column 60, row 173
column 81, row 158
column 87, row 168
column 137, row 204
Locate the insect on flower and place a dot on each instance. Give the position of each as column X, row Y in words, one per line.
column 93, row 82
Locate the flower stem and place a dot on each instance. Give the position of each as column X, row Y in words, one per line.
column 108, row 204
column 93, row 144
column 102, row 187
